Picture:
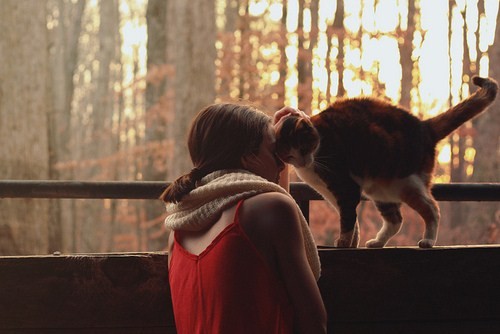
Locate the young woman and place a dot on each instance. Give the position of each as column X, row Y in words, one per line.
column 241, row 256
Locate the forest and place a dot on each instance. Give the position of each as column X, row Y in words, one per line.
column 105, row 90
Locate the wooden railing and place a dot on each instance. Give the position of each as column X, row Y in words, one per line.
column 152, row 190
column 392, row 290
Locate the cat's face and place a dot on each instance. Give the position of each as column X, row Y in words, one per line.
column 297, row 141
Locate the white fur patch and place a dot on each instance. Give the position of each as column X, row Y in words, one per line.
column 389, row 191
column 308, row 175
column 298, row 160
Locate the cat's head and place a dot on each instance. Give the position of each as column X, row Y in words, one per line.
column 297, row 140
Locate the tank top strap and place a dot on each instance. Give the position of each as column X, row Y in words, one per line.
column 236, row 218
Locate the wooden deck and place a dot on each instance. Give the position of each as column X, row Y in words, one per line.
column 393, row 290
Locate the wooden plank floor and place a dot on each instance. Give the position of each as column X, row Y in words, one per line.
column 392, row 290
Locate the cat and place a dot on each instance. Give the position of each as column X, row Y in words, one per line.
column 369, row 145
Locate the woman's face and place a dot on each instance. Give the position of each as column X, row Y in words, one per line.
column 265, row 162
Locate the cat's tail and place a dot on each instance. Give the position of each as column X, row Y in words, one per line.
column 442, row 125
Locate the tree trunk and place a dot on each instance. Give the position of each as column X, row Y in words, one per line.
column 191, row 48
column 283, row 67
column 99, row 138
column 228, row 40
column 158, row 105
column 24, row 96
column 406, row 50
column 457, row 140
column 245, row 53
column 339, row 30
column 156, row 99
column 305, row 55
column 63, row 58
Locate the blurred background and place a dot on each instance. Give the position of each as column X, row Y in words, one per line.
column 105, row 91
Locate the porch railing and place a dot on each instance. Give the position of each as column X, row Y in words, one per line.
column 152, row 190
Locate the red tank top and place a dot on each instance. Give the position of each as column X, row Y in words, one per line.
column 229, row 288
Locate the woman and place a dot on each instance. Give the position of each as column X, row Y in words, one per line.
column 241, row 257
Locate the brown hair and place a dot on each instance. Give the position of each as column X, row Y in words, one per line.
column 220, row 135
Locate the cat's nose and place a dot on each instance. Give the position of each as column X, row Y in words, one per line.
column 281, row 165
column 304, row 162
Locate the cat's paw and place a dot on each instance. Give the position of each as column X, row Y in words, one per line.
column 426, row 243
column 355, row 237
column 344, row 243
column 374, row 243
column 348, row 239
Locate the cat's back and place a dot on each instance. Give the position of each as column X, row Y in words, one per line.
column 362, row 111
column 364, row 119
column 373, row 137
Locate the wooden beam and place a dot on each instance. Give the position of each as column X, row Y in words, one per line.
column 116, row 293
column 152, row 190
column 391, row 290
column 412, row 290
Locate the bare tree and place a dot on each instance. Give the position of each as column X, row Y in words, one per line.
column 282, row 42
column 487, row 143
column 457, row 142
column 65, row 19
column 339, row 30
column 97, row 136
column 228, row 39
column 405, row 51
column 191, row 50
column 305, row 55
column 158, row 107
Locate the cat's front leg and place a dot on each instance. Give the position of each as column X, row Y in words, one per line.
column 349, row 226
column 349, row 239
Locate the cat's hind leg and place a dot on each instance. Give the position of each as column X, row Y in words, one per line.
column 392, row 224
column 419, row 198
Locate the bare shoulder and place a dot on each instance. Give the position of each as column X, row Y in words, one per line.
column 271, row 203
column 270, row 211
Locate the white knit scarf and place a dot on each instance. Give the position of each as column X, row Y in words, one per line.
column 220, row 190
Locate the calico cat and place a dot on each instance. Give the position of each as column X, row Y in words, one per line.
column 369, row 145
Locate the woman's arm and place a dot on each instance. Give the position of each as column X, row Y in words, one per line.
column 278, row 218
